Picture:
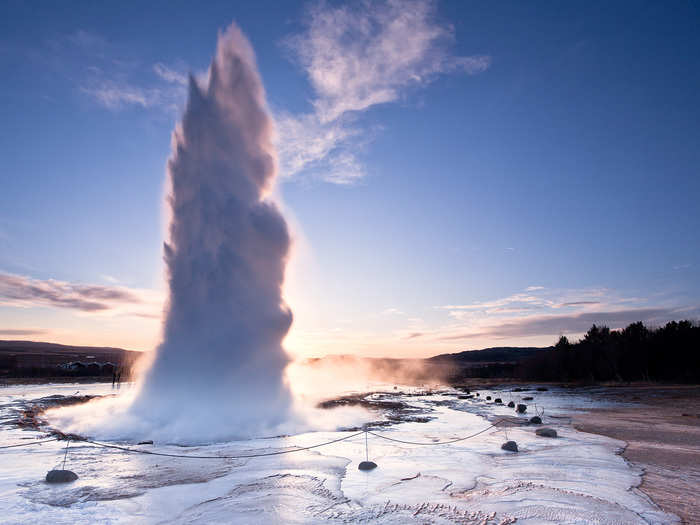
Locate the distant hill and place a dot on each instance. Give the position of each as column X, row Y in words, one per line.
column 493, row 363
column 497, row 354
column 41, row 359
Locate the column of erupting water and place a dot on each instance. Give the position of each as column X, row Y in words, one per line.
column 218, row 372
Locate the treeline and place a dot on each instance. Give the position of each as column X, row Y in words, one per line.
column 636, row 353
column 11, row 368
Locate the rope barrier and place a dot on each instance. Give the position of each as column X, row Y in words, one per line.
column 375, row 434
column 276, row 453
column 29, row 444
column 240, row 456
column 151, row 453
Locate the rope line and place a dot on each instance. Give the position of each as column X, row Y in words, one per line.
column 240, row 456
column 438, row 442
column 263, row 454
column 29, row 443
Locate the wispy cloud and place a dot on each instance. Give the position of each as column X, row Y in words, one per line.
column 114, row 95
column 88, row 41
column 356, row 57
column 577, row 303
column 113, row 77
column 534, row 298
column 568, row 324
column 169, row 74
column 25, row 292
column 21, row 332
column 681, row 266
column 540, row 311
column 128, row 86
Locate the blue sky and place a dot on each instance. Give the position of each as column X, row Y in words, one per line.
column 458, row 174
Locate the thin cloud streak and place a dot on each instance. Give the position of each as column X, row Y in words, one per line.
column 570, row 324
column 577, row 303
column 20, row 332
column 169, row 74
column 115, row 96
column 25, row 292
column 112, row 80
column 355, row 59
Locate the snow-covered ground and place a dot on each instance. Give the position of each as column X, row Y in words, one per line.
column 575, row 478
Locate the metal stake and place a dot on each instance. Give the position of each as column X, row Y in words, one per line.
column 65, row 455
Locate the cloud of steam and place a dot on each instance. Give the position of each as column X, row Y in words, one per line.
column 218, row 373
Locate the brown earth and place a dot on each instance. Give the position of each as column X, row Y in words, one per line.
column 662, row 432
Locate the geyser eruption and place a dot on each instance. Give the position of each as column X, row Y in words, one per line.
column 218, row 372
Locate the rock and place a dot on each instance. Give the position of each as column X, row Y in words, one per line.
column 488, row 398
column 464, row 397
column 498, row 400
column 527, row 398
column 521, row 408
column 542, row 389
column 477, row 394
column 510, row 446
column 149, row 442
column 536, row 420
column 511, row 404
column 367, row 465
column 546, row 432
column 60, row 476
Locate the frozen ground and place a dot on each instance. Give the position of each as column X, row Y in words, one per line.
column 576, row 478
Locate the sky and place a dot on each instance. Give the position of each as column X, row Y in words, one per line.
column 457, row 175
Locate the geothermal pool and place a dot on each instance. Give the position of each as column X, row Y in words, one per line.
column 575, row 478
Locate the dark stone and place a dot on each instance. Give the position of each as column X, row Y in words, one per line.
column 521, row 408
column 542, row 389
column 477, row 394
column 149, row 442
column 367, row 465
column 536, row 420
column 488, row 398
column 546, row 432
column 511, row 404
column 527, row 398
column 60, row 476
column 497, row 400
column 510, row 446
column 464, row 397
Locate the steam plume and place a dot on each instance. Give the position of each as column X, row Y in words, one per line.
column 218, row 373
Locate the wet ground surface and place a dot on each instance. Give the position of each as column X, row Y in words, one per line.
column 577, row 477
column 662, row 432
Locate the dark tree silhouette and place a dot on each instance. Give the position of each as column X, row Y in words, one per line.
column 636, row 353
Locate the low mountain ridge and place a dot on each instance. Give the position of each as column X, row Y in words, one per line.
column 496, row 354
